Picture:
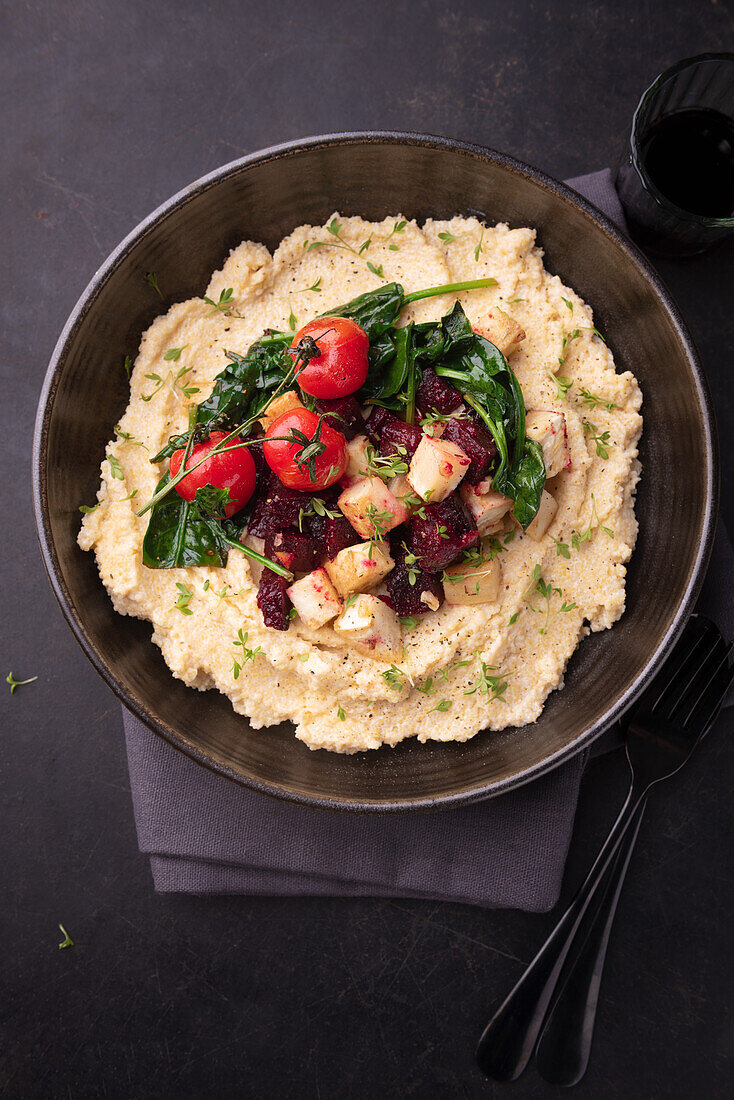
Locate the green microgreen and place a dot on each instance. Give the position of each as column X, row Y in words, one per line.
column 429, row 421
column 415, row 505
column 174, row 354
column 67, row 940
column 548, row 593
column 115, row 468
column 316, row 507
column 563, row 385
column 585, row 534
column 600, row 438
column 184, row 599
column 398, row 227
column 567, row 338
column 225, row 303
column 10, row 679
column 386, row 467
column 240, row 659
column 592, row 400
column 410, row 561
column 486, row 683
column 152, row 280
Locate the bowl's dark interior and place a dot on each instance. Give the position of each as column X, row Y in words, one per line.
column 264, row 201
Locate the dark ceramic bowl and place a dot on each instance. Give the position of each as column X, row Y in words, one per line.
column 263, row 197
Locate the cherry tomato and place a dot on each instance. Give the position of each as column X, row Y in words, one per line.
column 233, row 470
column 341, row 368
column 317, row 471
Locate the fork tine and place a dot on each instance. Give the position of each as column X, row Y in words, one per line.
column 711, row 696
column 694, row 667
column 696, row 630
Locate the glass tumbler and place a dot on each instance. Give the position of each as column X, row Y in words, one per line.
column 686, row 97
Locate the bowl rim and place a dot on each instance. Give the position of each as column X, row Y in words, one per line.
column 292, row 148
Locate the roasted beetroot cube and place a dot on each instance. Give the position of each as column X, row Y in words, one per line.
column 261, row 467
column 435, row 395
column 476, row 443
column 407, row 582
column 273, row 601
column 295, row 551
column 346, row 415
column 441, row 533
column 399, row 434
column 378, row 420
column 332, row 535
column 275, row 509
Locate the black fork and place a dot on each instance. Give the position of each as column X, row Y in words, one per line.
column 671, row 718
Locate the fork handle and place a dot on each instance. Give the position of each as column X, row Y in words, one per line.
column 562, row 1053
column 508, row 1040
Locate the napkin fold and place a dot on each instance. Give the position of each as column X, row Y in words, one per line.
column 205, row 835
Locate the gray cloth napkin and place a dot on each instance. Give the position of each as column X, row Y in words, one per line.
column 205, row 835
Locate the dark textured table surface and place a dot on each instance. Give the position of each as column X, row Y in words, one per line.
column 109, row 107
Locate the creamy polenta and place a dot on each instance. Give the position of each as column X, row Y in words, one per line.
column 462, row 668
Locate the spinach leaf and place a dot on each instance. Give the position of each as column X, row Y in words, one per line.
column 245, row 385
column 194, row 532
column 528, row 482
column 179, row 534
column 381, row 386
column 458, row 335
column 480, row 371
column 376, row 311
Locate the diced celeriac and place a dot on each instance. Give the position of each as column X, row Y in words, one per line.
column 356, row 460
column 488, row 509
column 502, row 330
column 548, row 428
column 359, row 568
column 371, row 627
column 399, row 487
column 436, row 469
column 258, row 545
column 464, row 583
column 371, row 508
column 282, row 404
column 315, row 598
column 431, row 601
column 544, row 516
